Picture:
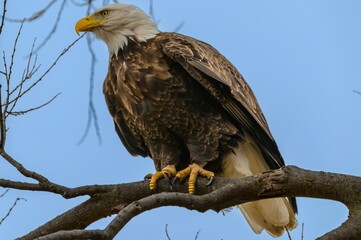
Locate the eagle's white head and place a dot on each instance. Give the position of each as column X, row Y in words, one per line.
column 116, row 23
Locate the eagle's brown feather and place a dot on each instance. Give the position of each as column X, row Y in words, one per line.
column 179, row 101
column 216, row 74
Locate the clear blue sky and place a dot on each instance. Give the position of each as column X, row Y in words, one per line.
column 302, row 59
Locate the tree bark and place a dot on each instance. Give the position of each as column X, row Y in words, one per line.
column 129, row 200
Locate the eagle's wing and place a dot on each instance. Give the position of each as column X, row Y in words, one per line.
column 219, row 77
column 132, row 141
column 135, row 146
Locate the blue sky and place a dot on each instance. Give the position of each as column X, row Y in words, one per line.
column 301, row 58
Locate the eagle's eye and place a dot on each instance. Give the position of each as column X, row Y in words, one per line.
column 104, row 13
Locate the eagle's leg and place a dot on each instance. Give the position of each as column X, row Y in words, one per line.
column 168, row 171
column 193, row 170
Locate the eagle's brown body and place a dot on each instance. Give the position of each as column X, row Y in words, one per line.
column 160, row 110
column 180, row 102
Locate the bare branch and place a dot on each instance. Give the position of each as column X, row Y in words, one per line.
column 288, row 234
column 166, row 232
column 3, row 17
column 4, row 193
column 55, row 26
column 289, row 181
column 179, row 27
column 45, row 185
column 34, row 108
column 35, row 16
column 358, row 92
column 82, row 4
column 9, row 71
column 48, row 70
column 76, row 234
column 151, row 10
column 27, row 75
column 197, row 234
column 303, row 225
column 7, row 107
column 92, row 115
column 11, row 209
column 2, row 123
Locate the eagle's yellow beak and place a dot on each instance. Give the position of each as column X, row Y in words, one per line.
column 87, row 24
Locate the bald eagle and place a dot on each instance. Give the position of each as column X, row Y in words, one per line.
column 180, row 102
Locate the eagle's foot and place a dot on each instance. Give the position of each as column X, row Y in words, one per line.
column 193, row 170
column 167, row 172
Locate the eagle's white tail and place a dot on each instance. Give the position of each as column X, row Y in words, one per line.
column 273, row 215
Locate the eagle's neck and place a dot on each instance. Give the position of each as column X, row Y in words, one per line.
column 118, row 37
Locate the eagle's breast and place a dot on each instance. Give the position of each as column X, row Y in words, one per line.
column 141, row 88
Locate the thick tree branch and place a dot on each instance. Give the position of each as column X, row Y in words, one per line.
column 289, row 181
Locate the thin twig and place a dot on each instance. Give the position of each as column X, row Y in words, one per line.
column 11, row 209
column 44, row 184
column 92, row 115
column 197, row 234
column 8, row 76
column 79, row 4
column 53, row 30
column 166, row 232
column 8, row 72
column 179, row 27
column 2, row 123
column 27, row 74
column 151, row 12
column 35, row 16
column 3, row 17
column 303, row 225
column 288, row 234
column 49, row 69
column 32, row 109
column 358, row 92
column 4, row 193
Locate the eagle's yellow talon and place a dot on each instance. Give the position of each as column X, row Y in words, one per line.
column 193, row 170
column 169, row 170
column 153, row 181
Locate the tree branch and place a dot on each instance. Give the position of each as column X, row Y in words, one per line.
column 35, row 16
column 3, row 17
column 45, row 185
column 289, row 181
column 48, row 70
column 92, row 115
column 16, row 113
column 55, row 26
column 11, row 209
